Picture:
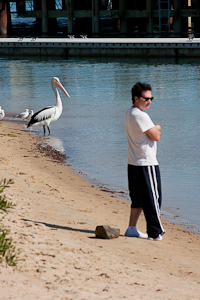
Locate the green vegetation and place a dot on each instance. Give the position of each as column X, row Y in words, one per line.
column 8, row 134
column 8, row 252
column 4, row 204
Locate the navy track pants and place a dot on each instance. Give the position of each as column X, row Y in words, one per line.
column 145, row 192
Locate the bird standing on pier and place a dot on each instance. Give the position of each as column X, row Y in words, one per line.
column 50, row 114
column 23, row 115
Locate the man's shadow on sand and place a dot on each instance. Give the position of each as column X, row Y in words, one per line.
column 60, row 227
column 65, row 228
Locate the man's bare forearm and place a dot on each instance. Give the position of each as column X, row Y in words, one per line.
column 158, row 127
column 154, row 133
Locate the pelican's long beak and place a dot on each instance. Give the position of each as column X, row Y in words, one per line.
column 59, row 85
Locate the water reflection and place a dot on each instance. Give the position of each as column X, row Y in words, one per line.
column 91, row 127
column 54, row 142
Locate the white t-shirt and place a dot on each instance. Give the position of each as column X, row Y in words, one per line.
column 141, row 149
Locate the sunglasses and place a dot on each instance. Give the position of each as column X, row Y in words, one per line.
column 146, row 98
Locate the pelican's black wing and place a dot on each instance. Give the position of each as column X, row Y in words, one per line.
column 42, row 115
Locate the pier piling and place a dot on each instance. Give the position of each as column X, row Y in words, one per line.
column 107, row 18
column 3, row 18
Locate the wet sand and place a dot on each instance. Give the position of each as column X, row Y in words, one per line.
column 54, row 224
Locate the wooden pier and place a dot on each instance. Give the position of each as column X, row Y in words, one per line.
column 106, row 18
column 101, row 47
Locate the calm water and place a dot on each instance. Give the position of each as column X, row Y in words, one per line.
column 91, row 129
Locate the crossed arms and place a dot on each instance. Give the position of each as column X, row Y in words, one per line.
column 154, row 133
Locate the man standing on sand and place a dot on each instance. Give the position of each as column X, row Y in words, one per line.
column 143, row 170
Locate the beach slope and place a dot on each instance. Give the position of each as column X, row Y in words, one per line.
column 54, row 224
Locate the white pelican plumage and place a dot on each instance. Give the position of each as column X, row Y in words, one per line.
column 23, row 115
column 49, row 114
column 2, row 114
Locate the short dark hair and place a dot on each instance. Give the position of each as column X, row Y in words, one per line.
column 138, row 88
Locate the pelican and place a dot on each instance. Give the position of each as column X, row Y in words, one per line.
column 50, row 113
column 2, row 114
column 23, row 115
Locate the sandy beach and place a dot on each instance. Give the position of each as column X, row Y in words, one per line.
column 54, row 224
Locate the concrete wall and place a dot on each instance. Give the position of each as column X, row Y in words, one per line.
column 102, row 47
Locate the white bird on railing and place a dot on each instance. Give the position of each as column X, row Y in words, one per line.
column 23, row 115
column 2, row 114
column 49, row 114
